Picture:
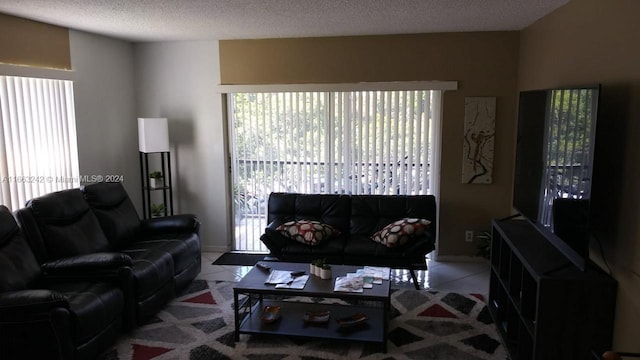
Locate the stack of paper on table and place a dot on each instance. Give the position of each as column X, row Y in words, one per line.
column 362, row 279
column 377, row 273
column 283, row 280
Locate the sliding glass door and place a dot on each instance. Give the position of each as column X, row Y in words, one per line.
column 355, row 142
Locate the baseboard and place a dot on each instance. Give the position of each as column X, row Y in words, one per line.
column 215, row 248
column 460, row 258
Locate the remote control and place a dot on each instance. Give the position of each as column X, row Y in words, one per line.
column 297, row 273
column 263, row 266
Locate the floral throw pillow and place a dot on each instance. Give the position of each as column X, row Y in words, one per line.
column 401, row 231
column 308, row 232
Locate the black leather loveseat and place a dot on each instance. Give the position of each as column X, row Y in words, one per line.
column 357, row 218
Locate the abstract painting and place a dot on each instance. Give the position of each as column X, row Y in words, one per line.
column 479, row 139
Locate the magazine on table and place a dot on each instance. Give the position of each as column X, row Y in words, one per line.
column 367, row 281
column 368, row 278
column 349, row 283
column 282, row 279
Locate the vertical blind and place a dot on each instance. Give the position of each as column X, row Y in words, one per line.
column 355, row 142
column 38, row 145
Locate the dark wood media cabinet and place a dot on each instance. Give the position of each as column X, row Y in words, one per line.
column 545, row 307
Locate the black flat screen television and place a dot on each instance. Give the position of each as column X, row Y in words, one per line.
column 554, row 165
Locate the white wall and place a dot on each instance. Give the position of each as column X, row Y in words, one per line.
column 105, row 108
column 178, row 80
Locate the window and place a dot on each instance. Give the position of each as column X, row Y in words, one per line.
column 347, row 142
column 38, row 146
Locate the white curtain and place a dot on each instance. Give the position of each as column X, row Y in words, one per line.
column 38, row 144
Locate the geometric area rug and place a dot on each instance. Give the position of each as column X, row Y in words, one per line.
column 199, row 325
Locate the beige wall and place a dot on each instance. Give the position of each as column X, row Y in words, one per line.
column 587, row 42
column 484, row 64
column 26, row 42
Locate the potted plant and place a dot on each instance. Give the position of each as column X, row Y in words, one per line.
column 156, row 179
column 157, row 210
column 315, row 267
column 483, row 248
column 312, row 267
column 325, row 273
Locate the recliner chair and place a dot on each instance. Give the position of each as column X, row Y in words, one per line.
column 55, row 313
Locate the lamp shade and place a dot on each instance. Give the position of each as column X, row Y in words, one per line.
column 153, row 135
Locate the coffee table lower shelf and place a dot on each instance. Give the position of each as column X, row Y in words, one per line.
column 291, row 322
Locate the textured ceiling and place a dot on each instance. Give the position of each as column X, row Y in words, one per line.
column 165, row 20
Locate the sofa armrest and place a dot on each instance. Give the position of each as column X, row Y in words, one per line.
column 273, row 239
column 35, row 324
column 112, row 267
column 29, row 303
column 173, row 223
column 418, row 247
column 87, row 266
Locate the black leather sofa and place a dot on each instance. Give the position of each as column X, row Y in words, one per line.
column 67, row 229
column 57, row 315
column 357, row 217
column 83, row 266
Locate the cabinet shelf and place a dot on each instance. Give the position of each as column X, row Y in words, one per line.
column 542, row 305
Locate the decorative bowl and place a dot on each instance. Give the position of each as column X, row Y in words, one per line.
column 317, row 316
column 353, row 320
column 270, row 314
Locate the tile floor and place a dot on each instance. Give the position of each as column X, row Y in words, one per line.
column 461, row 277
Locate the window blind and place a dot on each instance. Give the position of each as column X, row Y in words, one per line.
column 39, row 151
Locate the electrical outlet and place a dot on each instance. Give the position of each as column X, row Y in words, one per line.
column 468, row 236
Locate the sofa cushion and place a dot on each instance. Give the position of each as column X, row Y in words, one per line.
column 67, row 225
column 360, row 250
column 183, row 249
column 94, row 305
column 400, row 231
column 115, row 212
column 152, row 270
column 18, row 266
column 330, row 250
column 331, row 209
column 370, row 213
column 308, row 232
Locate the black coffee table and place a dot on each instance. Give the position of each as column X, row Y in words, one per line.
column 374, row 303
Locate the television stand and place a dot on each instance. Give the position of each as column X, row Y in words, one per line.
column 543, row 306
column 560, row 267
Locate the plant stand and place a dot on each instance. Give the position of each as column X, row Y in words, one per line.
column 156, row 193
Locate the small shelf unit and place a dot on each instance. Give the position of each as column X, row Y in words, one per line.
column 545, row 307
column 158, row 194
